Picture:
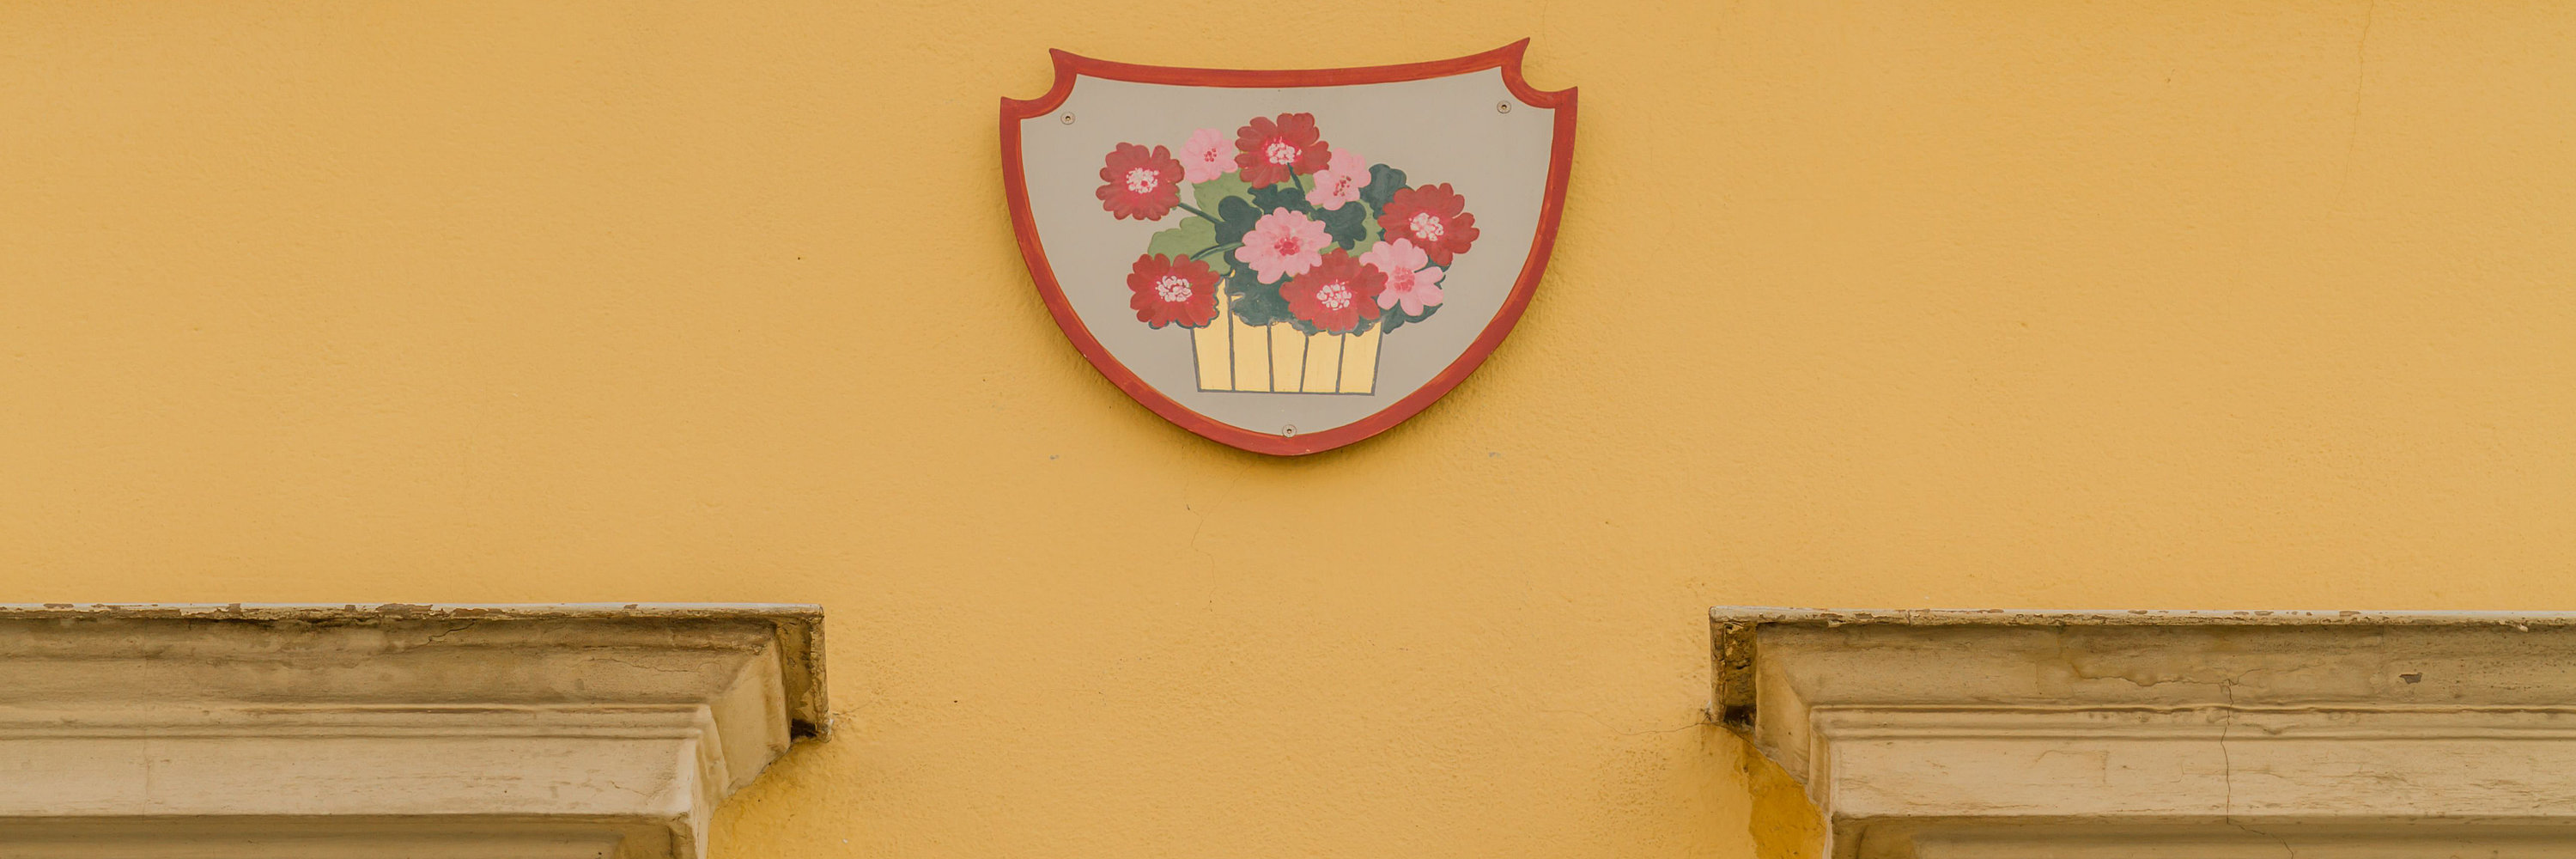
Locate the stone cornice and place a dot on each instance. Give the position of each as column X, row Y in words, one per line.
column 601, row 730
column 1999, row 733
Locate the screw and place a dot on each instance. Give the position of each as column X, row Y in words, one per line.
column 1499, row 107
column 1289, row 431
column 1068, row 119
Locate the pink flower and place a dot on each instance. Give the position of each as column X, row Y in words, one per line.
column 1340, row 181
column 1283, row 243
column 1205, row 157
column 1408, row 280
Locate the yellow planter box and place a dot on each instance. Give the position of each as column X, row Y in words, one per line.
column 1279, row 359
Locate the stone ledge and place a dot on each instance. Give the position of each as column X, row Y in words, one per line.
column 2033, row 733
column 581, row 730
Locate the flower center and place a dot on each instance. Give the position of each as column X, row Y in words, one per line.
column 1287, row 246
column 1280, row 152
column 1427, row 226
column 1334, row 295
column 1142, row 181
column 1173, row 289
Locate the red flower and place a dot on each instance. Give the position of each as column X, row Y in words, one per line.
column 1434, row 217
column 1140, row 183
column 1335, row 295
column 1172, row 290
column 1271, row 148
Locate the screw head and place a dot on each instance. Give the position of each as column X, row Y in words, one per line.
column 1289, row 431
column 1499, row 107
column 1068, row 119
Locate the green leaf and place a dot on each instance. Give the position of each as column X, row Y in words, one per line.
column 1256, row 303
column 1193, row 235
column 1212, row 193
column 1394, row 317
column 1384, row 181
column 1348, row 225
column 1287, row 197
column 1237, row 217
column 1369, row 235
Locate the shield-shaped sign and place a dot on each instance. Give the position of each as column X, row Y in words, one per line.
column 1288, row 261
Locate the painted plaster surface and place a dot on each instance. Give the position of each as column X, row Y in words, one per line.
column 1911, row 303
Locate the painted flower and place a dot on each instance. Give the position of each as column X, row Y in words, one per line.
column 1172, row 290
column 1408, row 281
column 1283, row 243
column 1204, row 156
column 1336, row 294
column 1434, row 217
column 1340, row 182
column 1140, row 183
column 1270, row 149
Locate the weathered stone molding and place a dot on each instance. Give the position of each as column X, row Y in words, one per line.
column 2145, row 734
column 327, row 731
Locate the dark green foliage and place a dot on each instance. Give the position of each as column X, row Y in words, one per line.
column 1384, row 181
column 1281, row 196
column 1347, row 225
column 1394, row 317
column 1235, row 217
column 1256, row 303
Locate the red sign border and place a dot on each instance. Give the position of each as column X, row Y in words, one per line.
column 1068, row 65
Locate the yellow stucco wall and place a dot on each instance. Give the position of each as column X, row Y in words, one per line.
column 1960, row 303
